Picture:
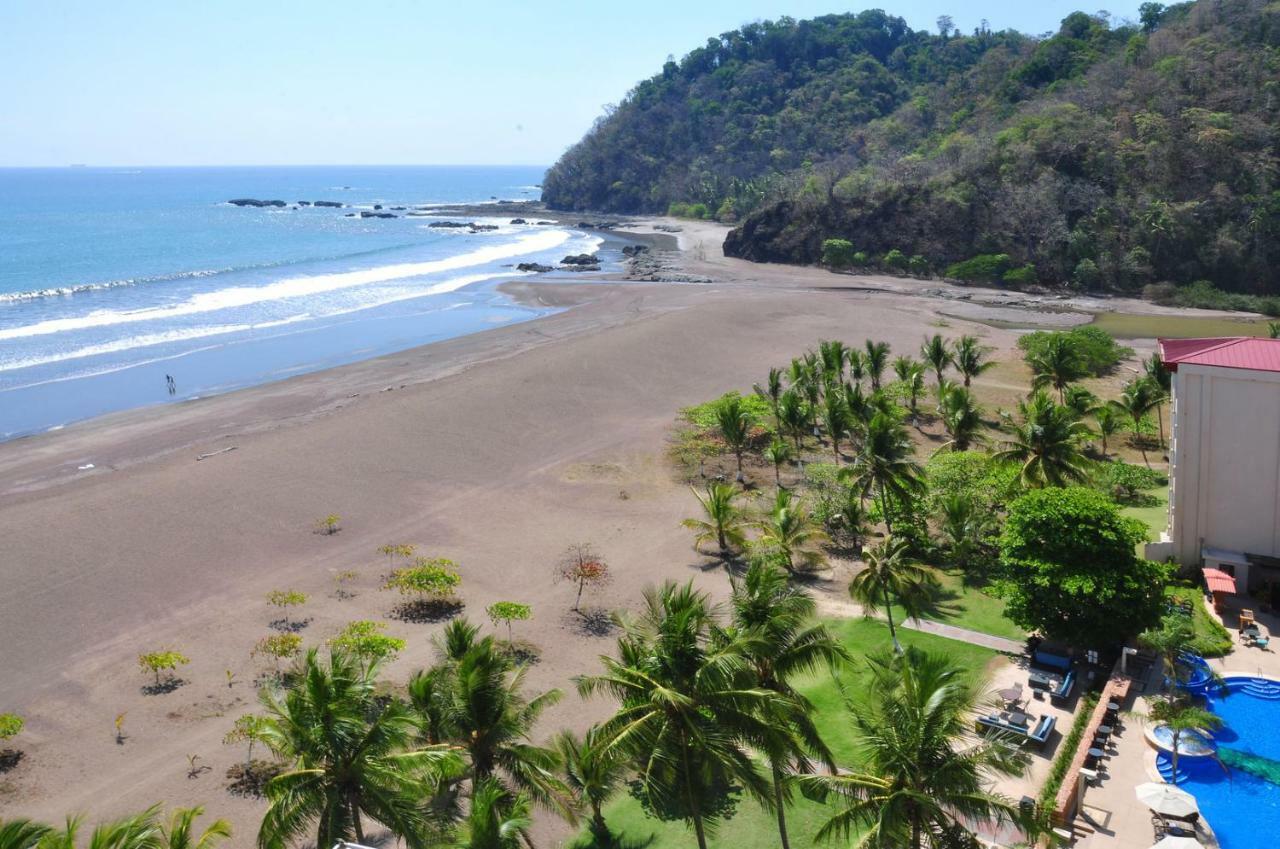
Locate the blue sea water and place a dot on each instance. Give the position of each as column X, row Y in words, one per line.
column 113, row 279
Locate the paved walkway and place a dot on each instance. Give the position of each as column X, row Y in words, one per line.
column 928, row 626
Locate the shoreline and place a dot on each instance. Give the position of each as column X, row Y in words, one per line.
column 159, row 430
column 497, row 450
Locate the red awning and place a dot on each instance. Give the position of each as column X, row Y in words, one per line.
column 1219, row 581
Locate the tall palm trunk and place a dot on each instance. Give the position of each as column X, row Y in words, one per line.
column 1160, row 419
column 884, row 508
column 778, row 803
column 740, row 476
column 893, row 632
column 355, row 821
column 694, row 812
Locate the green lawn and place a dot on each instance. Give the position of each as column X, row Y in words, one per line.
column 1156, row 517
column 750, row 827
column 967, row 606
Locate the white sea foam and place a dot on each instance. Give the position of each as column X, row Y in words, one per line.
column 186, row 334
column 297, row 287
column 8, row 297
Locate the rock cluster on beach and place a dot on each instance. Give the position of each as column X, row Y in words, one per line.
column 281, row 204
column 581, row 262
column 536, row 267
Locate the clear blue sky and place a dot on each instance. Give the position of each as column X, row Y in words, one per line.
column 143, row 82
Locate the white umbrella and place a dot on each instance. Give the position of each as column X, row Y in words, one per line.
column 1167, row 799
column 1172, row 842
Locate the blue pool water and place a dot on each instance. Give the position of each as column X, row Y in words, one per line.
column 1239, row 804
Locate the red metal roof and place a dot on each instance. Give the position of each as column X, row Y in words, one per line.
column 1219, row 581
column 1243, row 352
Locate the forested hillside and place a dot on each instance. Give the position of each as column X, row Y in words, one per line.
column 1106, row 155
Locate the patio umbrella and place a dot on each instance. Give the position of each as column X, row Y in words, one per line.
column 1172, row 842
column 1167, row 799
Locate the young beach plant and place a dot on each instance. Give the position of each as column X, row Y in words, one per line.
column 583, row 567
column 508, row 612
column 431, row 584
column 278, row 647
column 165, row 661
column 365, row 640
column 285, row 600
column 329, row 525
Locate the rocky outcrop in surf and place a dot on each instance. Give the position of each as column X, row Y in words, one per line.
column 256, row 202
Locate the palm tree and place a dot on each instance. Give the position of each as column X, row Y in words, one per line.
column 1171, row 639
column 351, row 755
column 1057, row 364
column 22, row 833
column 1162, row 379
column 1079, row 399
column 892, row 574
column 1046, row 441
column 688, row 719
column 137, row 831
column 849, row 519
column 791, row 531
column 1108, row 421
column 1273, row 329
column 875, row 360
column 857, row 364
column 781, row 643
column 724, row 522
column 835, row 418
column 923, row 777
column 969, row 358
column 833, row 355
column 772, row 393
column 1182, row 716
column 482, row 709
column 962, row 418
column 794, row 415
column 885, row 464
column 937, row 354
column 778, row 452
column 1136, row 400
column 180, row 832
column 855, row 401
column 911, row 375
column 496, row 818
column 734, row 421
column 964, row 525
column 591, row 773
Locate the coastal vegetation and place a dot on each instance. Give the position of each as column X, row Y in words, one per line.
column 1125, row 155
column 758, row 721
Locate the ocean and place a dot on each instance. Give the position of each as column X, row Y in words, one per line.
column 114, row 280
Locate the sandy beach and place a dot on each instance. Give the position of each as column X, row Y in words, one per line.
column 496, row 450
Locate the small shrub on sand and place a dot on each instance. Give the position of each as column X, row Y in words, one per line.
column 365, row 640
column 164, row 661
column 329, row 525
column 431, row 586
column 583, row 567
column 508, row 612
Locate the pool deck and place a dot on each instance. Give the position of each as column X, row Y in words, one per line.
column 1111, row 811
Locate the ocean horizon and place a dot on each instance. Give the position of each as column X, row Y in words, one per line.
column 126, row 287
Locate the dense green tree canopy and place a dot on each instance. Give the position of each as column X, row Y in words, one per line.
column 1072, row 570
column 1107, row 154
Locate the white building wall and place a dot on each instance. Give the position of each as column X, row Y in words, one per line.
column 1224, row 462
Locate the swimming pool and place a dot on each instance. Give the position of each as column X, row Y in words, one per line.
column 1239, row 793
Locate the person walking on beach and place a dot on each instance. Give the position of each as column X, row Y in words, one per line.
column 173, row 387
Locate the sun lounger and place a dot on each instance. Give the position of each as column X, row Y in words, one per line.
column 1036, row 735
